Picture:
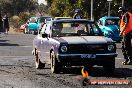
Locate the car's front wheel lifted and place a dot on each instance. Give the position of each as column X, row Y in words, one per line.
column 55, row 65
column 38, row 63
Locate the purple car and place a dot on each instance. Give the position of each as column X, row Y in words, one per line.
column 73, row 42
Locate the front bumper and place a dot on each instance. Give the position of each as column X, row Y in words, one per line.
column 86, row 58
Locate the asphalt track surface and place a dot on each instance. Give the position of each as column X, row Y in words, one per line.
column 17, row 68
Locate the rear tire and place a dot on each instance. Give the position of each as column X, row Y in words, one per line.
column 55, row 65
column 38, row 63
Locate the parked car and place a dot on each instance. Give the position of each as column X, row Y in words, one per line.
column 73, row 42
column 35, row 23
column 32, row 25
column 110, row 27
column 22, row 28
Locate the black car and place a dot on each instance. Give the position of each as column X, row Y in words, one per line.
column 73, row 42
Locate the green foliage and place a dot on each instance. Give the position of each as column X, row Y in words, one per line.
column 14, row 7
column 100, row 7
column 14, row 21
column 24, row 16
column 61, row 8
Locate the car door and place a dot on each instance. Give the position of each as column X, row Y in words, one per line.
column 44, row 36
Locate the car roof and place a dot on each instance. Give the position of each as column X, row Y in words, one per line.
column 105, row 18
column 63, row 17
column 33, row 17
column 73, row 20
column 45, row 17
column 58, row 18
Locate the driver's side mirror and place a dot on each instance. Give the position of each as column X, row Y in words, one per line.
column 44, row 35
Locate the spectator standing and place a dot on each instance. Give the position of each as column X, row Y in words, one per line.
column 126, row 32
column 6, row 23
column 77, row 14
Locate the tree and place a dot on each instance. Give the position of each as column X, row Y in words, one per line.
column 14, row 7
column 67, row 7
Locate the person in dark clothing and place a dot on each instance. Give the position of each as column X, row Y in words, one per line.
column 126, row 32
column 6, row 23
column 1, row 24
column 77, row 14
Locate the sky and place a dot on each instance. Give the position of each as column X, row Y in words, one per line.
column 42, row 1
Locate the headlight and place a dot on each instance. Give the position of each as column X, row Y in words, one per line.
column 63, row 49
column 110, row 47
column 108, row 33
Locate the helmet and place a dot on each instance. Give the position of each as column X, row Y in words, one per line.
column 122, row 9
column 77, row 10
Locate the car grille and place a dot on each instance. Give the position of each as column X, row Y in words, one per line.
column 85, row 48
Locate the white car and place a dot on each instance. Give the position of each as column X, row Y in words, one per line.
column 73, row 42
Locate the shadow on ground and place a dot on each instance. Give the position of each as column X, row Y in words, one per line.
column 8, row 44
column 99, row 72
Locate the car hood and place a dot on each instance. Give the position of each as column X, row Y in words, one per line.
column 113, row 28
column 84, row 39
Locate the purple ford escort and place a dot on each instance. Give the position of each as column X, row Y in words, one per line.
column 73, row 42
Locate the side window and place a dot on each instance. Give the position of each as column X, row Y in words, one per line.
column 57, row 29
column 94, row 30
column 38, row 20
column 100, row 22
column 42, row 30
column 48, row 30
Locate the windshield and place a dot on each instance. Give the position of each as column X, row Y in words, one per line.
column 112, row 22
column 75, row 29
column 33, row 20
column 43, row 19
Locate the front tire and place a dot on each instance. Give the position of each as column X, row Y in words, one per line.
column 55, row 65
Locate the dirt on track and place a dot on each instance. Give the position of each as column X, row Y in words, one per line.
column 19, row 72
column 17, row 68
